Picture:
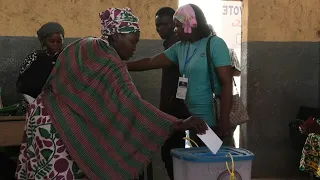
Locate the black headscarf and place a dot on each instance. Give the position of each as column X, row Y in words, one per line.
column 48, row 28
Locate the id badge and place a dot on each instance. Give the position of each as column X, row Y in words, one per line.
column 182, row 88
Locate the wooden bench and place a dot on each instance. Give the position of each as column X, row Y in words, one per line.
column 11, row 130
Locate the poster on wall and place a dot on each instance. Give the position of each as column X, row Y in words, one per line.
column 231, row 30
column 231, row 23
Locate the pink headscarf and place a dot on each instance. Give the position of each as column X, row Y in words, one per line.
column 186, row 15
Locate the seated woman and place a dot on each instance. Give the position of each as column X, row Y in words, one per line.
column 38, row 65
column 90, row 122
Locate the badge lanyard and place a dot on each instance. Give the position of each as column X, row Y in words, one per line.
column 183, row 81
column 188, row 59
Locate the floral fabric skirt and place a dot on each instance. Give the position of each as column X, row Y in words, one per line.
column 43, row 154
column 310, row 159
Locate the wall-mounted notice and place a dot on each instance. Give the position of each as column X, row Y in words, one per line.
column 231, row 23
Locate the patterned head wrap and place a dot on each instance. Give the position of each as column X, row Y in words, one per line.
column 115, row 20
column 186, row 15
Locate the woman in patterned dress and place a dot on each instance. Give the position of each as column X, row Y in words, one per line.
column 90, row 122
column 38, row 65
column 310, row 158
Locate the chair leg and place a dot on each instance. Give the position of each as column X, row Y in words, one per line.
column 150, row 171
column 141, row 176
column 311, row 176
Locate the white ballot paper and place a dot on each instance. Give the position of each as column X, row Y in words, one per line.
column 212, row 141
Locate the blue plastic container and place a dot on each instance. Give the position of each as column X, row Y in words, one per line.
column 202, row 164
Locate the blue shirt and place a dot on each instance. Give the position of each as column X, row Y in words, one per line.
column 199, row 95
